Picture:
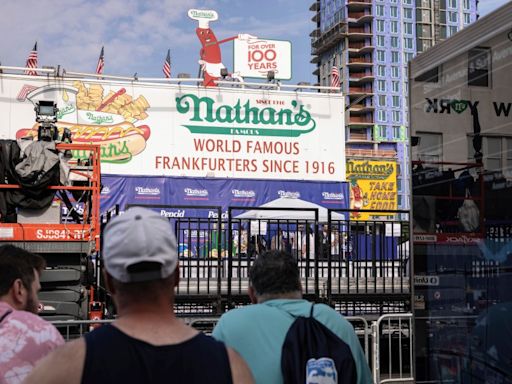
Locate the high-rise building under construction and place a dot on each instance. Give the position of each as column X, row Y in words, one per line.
column 370, row 42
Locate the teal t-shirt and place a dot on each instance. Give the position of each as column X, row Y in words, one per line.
column 257, row 333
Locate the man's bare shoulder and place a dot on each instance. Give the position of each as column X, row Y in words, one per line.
column 240, row 372
column 64, row 365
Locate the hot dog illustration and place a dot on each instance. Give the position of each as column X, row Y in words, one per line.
column 119, row 143
column 97, row 115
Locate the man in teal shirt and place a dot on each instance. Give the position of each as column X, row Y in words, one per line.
column 257, row 332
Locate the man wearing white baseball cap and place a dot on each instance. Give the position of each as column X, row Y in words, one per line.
column 147, row 343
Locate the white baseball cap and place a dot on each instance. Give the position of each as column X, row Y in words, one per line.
column 139, row 235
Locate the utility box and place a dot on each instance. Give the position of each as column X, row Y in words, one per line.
column 49, row 215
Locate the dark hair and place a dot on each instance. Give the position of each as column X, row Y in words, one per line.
column 275, row 272
column 16, row 263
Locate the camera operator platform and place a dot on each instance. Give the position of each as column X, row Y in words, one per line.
column 67, row 232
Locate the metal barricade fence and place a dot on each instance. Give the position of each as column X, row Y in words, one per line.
column 390, row 354
column 392, row 348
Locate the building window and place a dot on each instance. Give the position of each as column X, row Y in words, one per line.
column 394, row 42
column 479, row 67
column 396, row 132
column 452, row 30
column 381, row 85
column 380, row 10
column 423, row 44
column 509, row 156
column 382, row 131
column 452, row 16
column 395, row 72
column 408, row 42
column 492, row 153
column 396, row 101
column 381, row 70
column 396, row 116
column 395, row 85
column 430, row 147
column 408, row 28
column 394, row 11
column 452, row 3
column 380, row 25
column 423, row 31
column 407, row 13
column 381, row 115
column 382, row 101
column 467, row 18
column 466, row 4
column 407, row 2
column 381, row 55
column 408, row 56
column 394, row 57
column 380, row 41
column 394, row 26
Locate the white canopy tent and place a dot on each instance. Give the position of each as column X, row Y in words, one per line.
column 287, row 202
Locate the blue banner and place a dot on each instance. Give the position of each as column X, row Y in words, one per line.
column 197, row 192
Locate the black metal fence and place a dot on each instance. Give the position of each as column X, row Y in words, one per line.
column 358, row 267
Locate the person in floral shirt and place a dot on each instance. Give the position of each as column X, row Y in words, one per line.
column 24, row 337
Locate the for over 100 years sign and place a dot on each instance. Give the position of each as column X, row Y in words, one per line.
column 256, row 57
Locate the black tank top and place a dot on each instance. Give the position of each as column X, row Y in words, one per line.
column 114, row 357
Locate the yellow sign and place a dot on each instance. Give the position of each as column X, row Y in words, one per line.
column 372, row 186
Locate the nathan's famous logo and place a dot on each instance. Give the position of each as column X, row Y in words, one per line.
column 244, row 119
column 332, row 196
column 289, row 194
column 147, row 191
column 194, row 192
column 240, row 193
column 367, row 170
column 93, row 116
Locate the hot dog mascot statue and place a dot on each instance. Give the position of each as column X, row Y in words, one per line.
column 210, row 53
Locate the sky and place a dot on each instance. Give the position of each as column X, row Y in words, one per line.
column 137, row 33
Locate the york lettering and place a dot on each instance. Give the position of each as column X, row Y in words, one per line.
column 450, row 105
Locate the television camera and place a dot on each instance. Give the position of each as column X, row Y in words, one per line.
column 46, row 116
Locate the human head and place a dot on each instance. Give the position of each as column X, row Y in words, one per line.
column 19, row 277
column 274, row 275
column 140, row 256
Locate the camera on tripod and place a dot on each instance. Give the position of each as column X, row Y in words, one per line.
column 46, row 116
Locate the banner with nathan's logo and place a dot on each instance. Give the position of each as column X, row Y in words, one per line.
column 372, row 185
column 188, row 195
column 176, row 130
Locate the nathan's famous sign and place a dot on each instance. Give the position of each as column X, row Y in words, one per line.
column 244, row 118
column 166, row 130
column 372, row 186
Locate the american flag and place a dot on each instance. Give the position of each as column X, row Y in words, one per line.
column 101, row 62
column 167, row 65
column 335, row 77
column 32, row 62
